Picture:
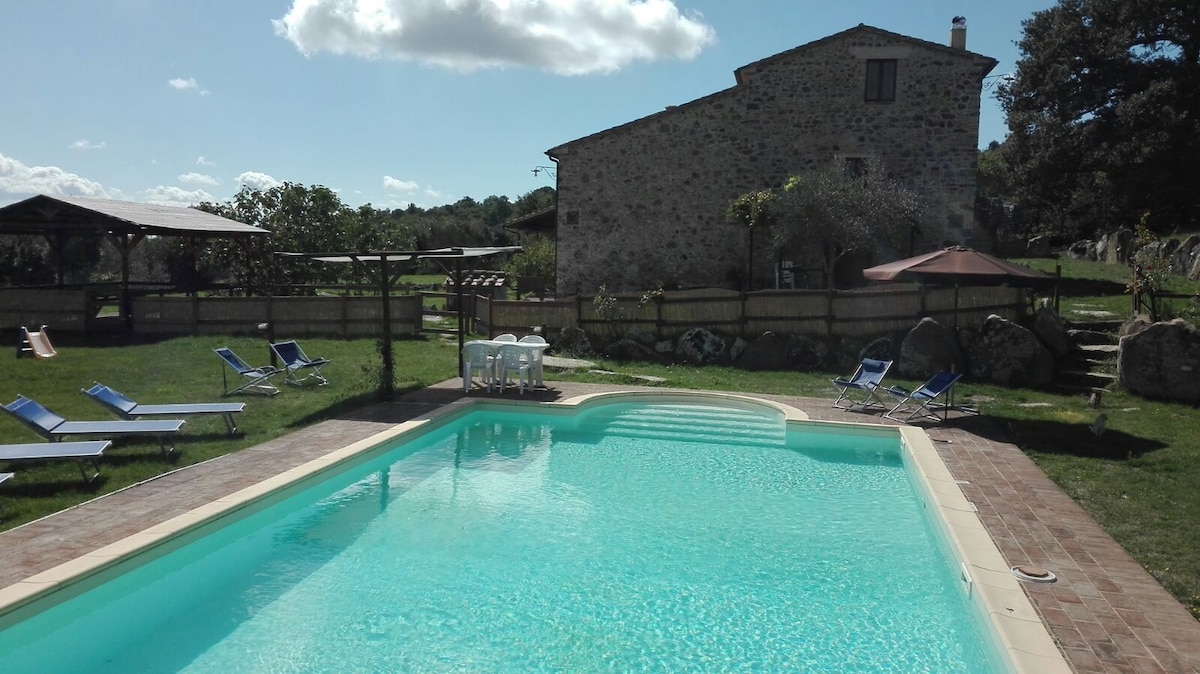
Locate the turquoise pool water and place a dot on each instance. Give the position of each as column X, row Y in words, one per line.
column 631, row 538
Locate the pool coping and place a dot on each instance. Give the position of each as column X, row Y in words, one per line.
column 1105, row 613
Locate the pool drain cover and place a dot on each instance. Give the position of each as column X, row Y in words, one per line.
column 1034, row 574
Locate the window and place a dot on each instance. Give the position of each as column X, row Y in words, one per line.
column 881, row 80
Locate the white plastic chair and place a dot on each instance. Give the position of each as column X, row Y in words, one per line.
column 479, row 358
column 535, row 355
column 514, row 360
column 507, row 337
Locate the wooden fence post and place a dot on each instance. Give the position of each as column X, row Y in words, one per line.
column 829, row 313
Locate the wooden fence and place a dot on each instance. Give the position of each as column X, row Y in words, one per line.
column 331, row 316
column 835, row 313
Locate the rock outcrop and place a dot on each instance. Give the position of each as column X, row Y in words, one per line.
column 699, row 347
column 1003, row 352
column 929, row 348
column 1162, row 361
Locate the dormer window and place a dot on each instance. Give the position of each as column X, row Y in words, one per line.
column 881, row 80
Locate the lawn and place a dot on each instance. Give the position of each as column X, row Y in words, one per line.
column 1140, row 481
column 184, row 370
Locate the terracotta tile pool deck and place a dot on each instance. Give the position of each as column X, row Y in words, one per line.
column 1106, row 613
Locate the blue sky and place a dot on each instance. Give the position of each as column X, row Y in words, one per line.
column 389, row 102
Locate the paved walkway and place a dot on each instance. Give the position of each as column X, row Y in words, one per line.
column 1106, row 613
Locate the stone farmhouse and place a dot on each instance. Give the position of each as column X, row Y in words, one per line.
column 645, row 202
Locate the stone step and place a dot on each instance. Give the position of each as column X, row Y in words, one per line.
column 1098, row 349
column 1080, row 336
column 1085, row 378
column 1095, row 324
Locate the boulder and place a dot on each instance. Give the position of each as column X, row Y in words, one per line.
column 807, row 353
column 928, row 348
column 1194, row 274
column 1185, row 255
column 628, row 348
column 642, row 337
column 1162, row 361
column 1003, row 352
column 1052, row 330
column 1120, row 247
column 739, row 345
column 1082, row 250
column 699, row 346
column 573, row 342
column 768, row 352
column 883, row 348
column 1133, row 326
column 665, row 347
column 1167, row 248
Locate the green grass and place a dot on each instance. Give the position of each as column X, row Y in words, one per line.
column 1096, row 286
column 184, row 370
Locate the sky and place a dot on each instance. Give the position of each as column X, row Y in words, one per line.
column 388, row 102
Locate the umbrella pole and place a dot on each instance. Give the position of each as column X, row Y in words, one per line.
column 954, row 333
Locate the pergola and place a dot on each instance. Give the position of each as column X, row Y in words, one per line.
column 124, row 223
column 390, row 270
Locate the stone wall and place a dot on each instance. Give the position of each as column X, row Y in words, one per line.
column 645, row 202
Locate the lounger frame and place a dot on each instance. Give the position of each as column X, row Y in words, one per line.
column 54, row 428
column 86, row 452
column 126, row 408
column 296, row 361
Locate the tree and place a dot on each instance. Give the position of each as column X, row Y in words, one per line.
column 841, row 208
column 536, row 258
column 752, row 210
column 1104, row 114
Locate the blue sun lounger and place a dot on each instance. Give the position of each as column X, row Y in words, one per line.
column 54, row 428
column 83, row 452
column 865, row 379
column 257, row 379
column 295, row 360
column 126, row 408
column 920, row 402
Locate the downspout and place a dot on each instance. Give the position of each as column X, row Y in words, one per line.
column 556, row 216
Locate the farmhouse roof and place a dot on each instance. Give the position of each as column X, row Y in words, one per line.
column 541, row 221
column 986, row 64
column 44, row 214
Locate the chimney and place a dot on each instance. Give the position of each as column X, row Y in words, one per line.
column 958, row 33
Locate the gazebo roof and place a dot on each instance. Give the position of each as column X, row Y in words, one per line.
column 44, row 214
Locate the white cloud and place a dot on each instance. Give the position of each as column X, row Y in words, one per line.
column 257, row 181
column 19, row 180
column 568, row 37
column 397, row 185
column 190, row 84
column 84, row 144
column 194, row 178
column 204, row 161
column 175, row 196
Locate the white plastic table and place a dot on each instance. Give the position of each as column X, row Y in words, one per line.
column 534, row 351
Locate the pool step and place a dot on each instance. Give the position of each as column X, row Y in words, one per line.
column 692, row 423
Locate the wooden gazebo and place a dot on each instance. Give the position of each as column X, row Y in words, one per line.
column 124, row 223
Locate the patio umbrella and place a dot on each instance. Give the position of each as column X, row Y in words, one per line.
column 958, row 265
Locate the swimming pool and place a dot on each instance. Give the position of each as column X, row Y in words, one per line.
column 673, row 536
